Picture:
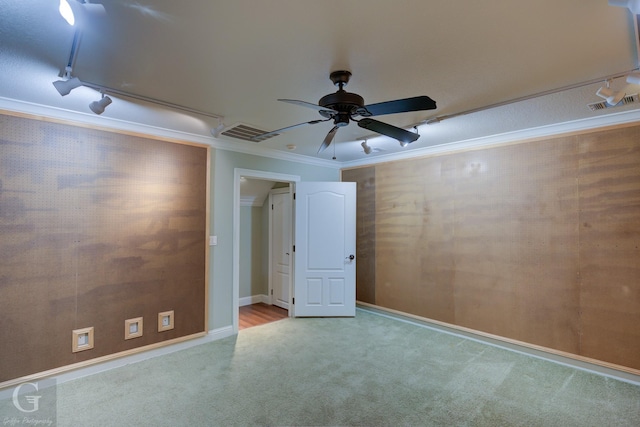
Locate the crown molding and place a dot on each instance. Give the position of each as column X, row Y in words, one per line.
column 453, row 146
column 555, row 129
column 51, row 112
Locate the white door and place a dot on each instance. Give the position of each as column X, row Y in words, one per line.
column 325, row 248
column 280, row 247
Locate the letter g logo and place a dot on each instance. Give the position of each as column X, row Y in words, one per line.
column 30, row 399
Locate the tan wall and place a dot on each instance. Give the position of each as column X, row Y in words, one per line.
column 95, row 227
column 536, row 242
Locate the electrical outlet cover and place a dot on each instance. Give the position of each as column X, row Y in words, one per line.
column 133, row 328
column 81, row 339
column 165, row 321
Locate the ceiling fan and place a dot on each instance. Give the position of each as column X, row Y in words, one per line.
column 342, row 107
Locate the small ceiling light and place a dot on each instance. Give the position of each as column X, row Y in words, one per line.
column 99, row 106
column 366, row 147
column 634, row 78
column 405, row 143
column 612, row 97
column 65, row 86
column 216, row 131
column 75, row 11
column 632, row 5
column 291, row 147
column 67, row 12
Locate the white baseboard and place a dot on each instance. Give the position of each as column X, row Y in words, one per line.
column 220, row 333
column 254, row 299
column 571, row 362
column 212, row 335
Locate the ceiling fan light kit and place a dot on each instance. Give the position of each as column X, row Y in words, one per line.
column 342, row 107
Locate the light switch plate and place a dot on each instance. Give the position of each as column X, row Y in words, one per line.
column 213, row 240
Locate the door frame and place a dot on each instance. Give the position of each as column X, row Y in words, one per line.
column 273, row 191
column 251, row 174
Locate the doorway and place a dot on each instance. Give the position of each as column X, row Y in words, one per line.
column 280, row 245
column 239, row 176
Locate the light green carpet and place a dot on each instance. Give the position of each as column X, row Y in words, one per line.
column 369, row 370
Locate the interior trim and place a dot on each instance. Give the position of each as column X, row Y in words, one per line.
column 45, row 111
column 113, row 361
column 519, row 136
column 621, row 373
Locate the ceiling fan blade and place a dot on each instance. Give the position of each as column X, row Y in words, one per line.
column 328, row 139
column 308, row 105
column 417, row 103
column 264, row 136
column 388, row 130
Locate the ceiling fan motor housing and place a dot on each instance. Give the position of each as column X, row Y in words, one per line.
column 345, row 103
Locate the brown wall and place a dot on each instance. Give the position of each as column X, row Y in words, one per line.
column 95, row 227
column 536, row 242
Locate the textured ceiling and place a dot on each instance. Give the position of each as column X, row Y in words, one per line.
column 236, row 58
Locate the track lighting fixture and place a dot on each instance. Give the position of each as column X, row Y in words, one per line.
column 66, row 12
column 366, row 147
column 99, row 106
column 405, row 143
column 68, row 83
column 74, row 11
column 216, row 131
column 634, row 78
column 64, row 87
column 612, row 97
column 632, row 5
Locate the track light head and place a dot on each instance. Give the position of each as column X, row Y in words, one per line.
column 634, row 78
column 75, row 12
column 403, row 143
column 99, row 106
column 64, row 87
column 216, row 131
column 68, row 83
column 366, row 147
column 67, row 12
column 612, row 97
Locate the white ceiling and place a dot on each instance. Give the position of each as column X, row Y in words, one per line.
column 236, row 58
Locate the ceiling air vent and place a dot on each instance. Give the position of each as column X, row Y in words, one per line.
column 628, row 99
column 245, row 132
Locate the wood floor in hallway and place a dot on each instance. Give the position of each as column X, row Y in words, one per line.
column 259, row 314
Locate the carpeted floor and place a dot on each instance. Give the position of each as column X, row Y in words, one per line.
column 368, row 370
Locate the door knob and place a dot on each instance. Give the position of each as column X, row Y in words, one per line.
column 351, row 257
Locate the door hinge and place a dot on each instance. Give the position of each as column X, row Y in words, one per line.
column 271, row 291
column 294, row 196
column 294, row 248
column 271, row 206
column 293, row 300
